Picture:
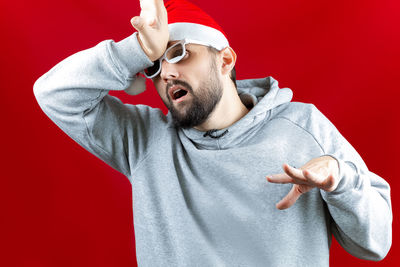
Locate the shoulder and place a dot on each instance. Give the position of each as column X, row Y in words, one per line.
column 306, row 116
column 298, row 113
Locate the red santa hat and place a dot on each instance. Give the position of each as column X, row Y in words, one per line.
column 186, row 20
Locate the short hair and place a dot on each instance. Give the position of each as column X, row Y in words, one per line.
column 232, row 75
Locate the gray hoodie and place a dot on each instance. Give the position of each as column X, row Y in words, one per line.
column 204, row 201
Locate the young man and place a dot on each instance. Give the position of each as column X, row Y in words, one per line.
column 206, row 177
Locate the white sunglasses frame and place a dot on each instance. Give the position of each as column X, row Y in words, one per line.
column 183, row 42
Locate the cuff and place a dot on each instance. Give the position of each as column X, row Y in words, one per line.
column 129, row 56
column 348, row 178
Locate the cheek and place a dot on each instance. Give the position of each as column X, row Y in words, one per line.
column 157, row 84
column 206, row 69
column 160, row 88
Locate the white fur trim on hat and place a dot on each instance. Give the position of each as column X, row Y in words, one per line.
column 211, row 36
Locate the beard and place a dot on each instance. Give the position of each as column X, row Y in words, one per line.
column 202, row 103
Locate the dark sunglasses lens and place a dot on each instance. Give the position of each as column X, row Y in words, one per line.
column 153, row 69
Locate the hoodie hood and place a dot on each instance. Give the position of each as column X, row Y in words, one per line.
column 258, row 95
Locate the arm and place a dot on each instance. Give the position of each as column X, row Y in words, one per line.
column 358, row 200
column 74, row 95
column 360, row 207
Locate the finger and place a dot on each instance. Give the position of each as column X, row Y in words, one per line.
column 290, row 198
column 152, row 3
column 138, row 23
column 330, row 183
column 319, row 181
column 281, row 178
column 292, row 171
column 313, row 178
column 295, row 174
column 151, row 10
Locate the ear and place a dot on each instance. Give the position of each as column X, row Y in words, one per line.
column 228, row 57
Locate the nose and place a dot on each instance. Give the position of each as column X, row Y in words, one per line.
column 169, row 71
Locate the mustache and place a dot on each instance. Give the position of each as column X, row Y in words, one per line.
column 178, row 82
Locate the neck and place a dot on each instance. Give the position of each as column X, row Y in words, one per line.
column 229, row 110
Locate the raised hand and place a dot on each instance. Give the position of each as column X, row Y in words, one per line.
column 152, row 27
column 322, row 172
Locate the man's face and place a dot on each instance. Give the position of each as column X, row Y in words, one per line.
column 191, row 88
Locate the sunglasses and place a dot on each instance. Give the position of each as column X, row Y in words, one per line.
column 173, row 54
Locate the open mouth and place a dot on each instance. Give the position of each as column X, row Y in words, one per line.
column 177, row 93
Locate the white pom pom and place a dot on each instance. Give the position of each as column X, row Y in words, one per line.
column 138, row 86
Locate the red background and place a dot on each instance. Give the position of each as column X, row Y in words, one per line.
column 61, row 206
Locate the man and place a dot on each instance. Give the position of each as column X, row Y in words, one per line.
column 206, row 177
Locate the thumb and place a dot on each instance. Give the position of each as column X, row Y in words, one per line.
column 137, row 23
column 290, row 198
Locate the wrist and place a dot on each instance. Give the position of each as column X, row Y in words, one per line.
column 123, row 51
column 147, row 53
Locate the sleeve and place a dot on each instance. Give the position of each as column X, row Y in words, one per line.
column 360, row 206
column 74, row 95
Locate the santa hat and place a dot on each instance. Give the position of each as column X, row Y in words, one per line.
column 186, row 20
